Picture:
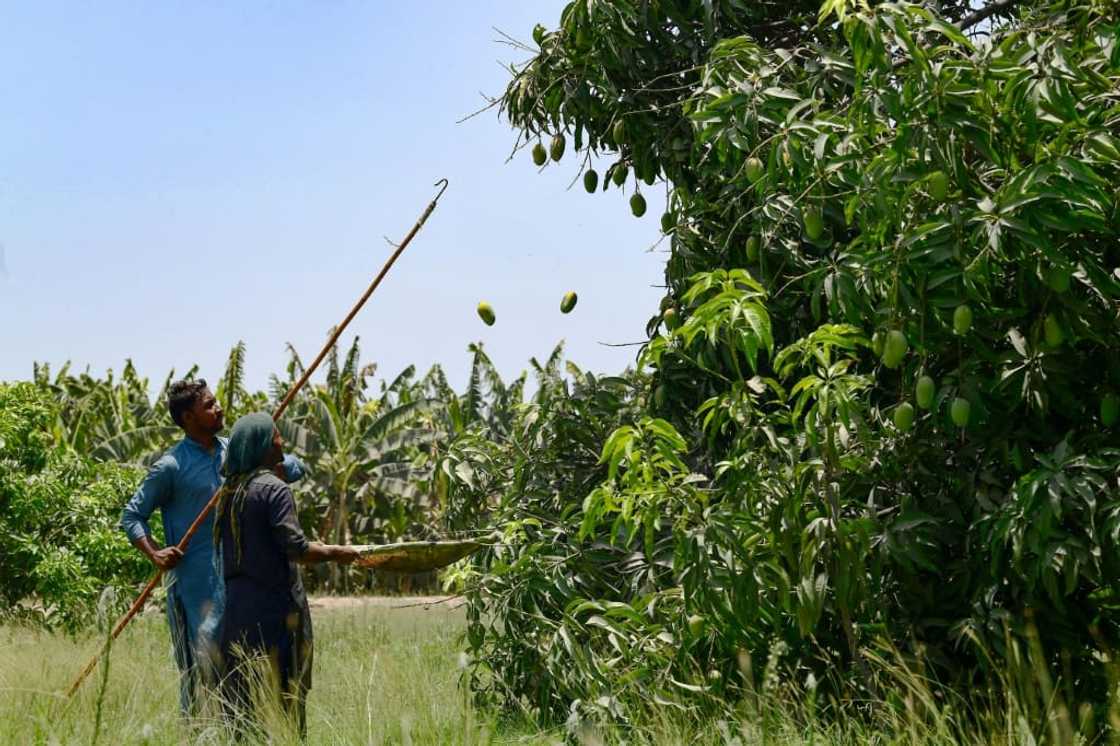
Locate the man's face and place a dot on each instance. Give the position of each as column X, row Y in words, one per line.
column 206, row 414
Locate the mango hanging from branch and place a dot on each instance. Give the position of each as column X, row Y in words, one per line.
column 962, row 320
column 556, row 148
column 904, row 416
column 753, row 245
column 1052, row 331
column 938, row 186
column 590, row 180
column 755, row 169
column 621, row 171
column 668, row 221
column 813, row 221
column 894, row 348
column 619, row 133
column 960, row 411
column 924, row 392
column 638, row 205
column 671, row 318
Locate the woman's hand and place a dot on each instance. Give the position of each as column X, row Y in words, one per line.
column 340, row 553
column 345, row 555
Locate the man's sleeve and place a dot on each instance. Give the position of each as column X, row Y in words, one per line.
column 294, row 469
column 284, row 524
column 154, row 492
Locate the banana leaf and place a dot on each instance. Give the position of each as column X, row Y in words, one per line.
column 414, row 556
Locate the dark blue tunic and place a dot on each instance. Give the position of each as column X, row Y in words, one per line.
column 266, row 611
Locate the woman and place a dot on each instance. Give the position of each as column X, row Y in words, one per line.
column 259, row 541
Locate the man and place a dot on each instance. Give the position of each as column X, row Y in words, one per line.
column 179, row 485
column 265, row 617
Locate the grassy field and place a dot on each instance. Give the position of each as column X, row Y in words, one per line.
column 390, row 675
column 382, row 675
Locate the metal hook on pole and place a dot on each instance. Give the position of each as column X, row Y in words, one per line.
column 182, row 545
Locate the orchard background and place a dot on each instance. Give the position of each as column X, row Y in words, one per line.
column 867, row 465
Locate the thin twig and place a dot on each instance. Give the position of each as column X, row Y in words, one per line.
column 491, row 102
column 511, row 41
column 622, row 344
column 427, row 604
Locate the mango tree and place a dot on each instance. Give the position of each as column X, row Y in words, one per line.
column 884, row 376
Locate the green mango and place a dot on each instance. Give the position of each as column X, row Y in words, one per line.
column 878, row 340
column 904, row 416
column 590, row 180
column 568, row 302
column 1052, row 331
column 486, row 313
column 939, row 185
column 638, row 205
column 962, row 320
column 960, row 411
column 668, row 221
column 752, row 248
column 621, row 171
column 755, row 169
column 556, row 149
column 619, row 132
column 924, row 392
column 895, row 348
column 539, row 154
column 813, row 221
column 671, row 318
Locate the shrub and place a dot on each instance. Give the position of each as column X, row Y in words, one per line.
column 58, row 520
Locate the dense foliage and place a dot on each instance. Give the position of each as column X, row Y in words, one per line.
column 59, row 546
column 883, row 398
column 73, row 448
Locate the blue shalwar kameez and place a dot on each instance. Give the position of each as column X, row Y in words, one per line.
column 179, row 485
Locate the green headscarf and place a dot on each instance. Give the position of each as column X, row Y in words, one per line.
column 249, row 443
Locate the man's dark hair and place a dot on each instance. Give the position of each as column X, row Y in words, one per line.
column 182, row 395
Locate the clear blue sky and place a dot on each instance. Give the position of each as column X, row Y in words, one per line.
column 176, row 176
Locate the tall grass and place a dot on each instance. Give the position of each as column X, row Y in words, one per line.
column 387, row 675
column 381, row 675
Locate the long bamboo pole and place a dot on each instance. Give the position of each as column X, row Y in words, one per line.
column 182, row 545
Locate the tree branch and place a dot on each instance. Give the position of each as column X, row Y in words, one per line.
column 974, row 18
